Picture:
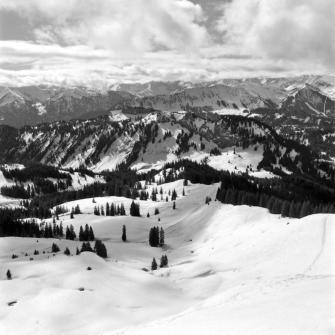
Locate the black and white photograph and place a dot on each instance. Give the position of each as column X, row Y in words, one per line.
column 167, row 167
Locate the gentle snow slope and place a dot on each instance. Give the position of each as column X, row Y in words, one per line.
column 233, row 270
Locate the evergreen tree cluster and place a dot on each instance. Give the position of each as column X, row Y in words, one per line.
column 275, row 205
column 70, row 233
column 86, row 234
column 110, row 210
column 163, row 263
column 10, row 225
column 156, row 237
column 99, row 248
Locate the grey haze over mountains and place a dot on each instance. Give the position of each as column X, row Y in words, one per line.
column 311, row 95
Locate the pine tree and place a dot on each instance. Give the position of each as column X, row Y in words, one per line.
column 55, row 247
column 156, row 211
column 86, row 232
column 91, row 236
column 164, row 261
column 81, row 234
column 148, row 215
column 154, row 264
column 100, row 249
column 9, row 275
column 124, row 234
column 134, row 209
column 161, row 237
column 67, row 252
column 71, row 215
column 107, row 209
column 77, row 251
column 174, row 205
column 122, row 210
column 112, row 210
column 72, row 233
column 86, row 246
column 67, row 233
column 183, row 192
column 174, row 195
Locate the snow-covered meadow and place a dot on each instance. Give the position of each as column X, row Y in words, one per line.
column 232, row 270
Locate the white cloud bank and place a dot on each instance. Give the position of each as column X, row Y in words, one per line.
column 98, row 42
column 283, row 30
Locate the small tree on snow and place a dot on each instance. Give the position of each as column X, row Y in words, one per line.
column 164, row 261
column 124, row 234
column 54, row 247
column 153, row 264
column 9, row 275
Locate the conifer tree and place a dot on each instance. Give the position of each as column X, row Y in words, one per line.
column 112, row 210
column 156, row 211
column 124, row 234
column 164, row 261
column 100, row 249
column 122, row 210
column 174, row 195
column 86, row 246
column 174, row 205
column 86, row 232
column 107, row 209
column 161, row 237
column 134, row 209
column 77, row 251
column 9, row 275
column 67, row 252
column 81, row 234
column 91, row 236
column 55, row 247
column 154, row 264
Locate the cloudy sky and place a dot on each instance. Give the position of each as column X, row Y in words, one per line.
column 100, row 42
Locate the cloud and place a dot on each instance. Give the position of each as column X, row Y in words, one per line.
column 100, row 42
column 126, row 26
column 299, row 31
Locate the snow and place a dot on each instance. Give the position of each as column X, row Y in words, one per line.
column 117, row 115
column 40, row 108
column 231, row 111
column 6, row 201
column 233, row 270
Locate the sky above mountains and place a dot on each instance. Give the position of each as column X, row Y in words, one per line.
column 97, row 43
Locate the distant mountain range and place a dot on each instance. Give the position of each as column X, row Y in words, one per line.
column 31, row 105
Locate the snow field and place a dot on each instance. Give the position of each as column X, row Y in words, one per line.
column 232, row 270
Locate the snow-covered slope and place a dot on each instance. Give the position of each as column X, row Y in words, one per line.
column 233, row 270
